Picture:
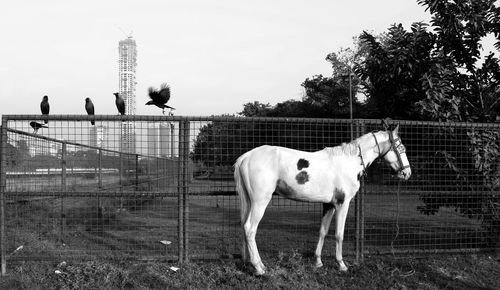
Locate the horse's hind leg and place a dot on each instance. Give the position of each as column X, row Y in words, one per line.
column 328, row 210
column 256, row 212
column 244, row 247
column 244, row 244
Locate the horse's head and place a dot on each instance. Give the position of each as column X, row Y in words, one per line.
column 395, row 155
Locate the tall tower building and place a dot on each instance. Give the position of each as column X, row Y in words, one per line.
column 127, row 64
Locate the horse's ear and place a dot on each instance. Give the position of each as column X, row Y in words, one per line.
column 396, row 130
column 385, row 123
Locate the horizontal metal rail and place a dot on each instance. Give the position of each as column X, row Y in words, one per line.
column 81, row 145
column 159, row 118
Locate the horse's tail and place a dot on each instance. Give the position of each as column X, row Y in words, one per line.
column 241, row 189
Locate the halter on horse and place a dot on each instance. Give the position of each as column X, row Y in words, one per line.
column 329, row 176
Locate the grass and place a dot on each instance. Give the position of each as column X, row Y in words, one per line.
column 288, row 270
column 101, row 230
column 115, row 226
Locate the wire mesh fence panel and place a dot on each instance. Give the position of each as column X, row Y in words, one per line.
column 214, row 217
column 147, row 187
column 76, row 190
column 449, row 204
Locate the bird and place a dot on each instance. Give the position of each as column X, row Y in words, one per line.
column 89, row 107
column 45, row 107
column 120, row 104
column 160, row 97
column 37, row 126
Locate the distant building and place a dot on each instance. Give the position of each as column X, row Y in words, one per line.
column 152, row 139
column 160, row 138
column 127, row 64
column 98, row 136
column 165, row 140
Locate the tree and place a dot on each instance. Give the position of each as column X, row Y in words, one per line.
column 472, row 89
column 289, row 108
column 331, row 95
column 459, row 88
column 255, row 109
column 393, row 67
column 325, row 97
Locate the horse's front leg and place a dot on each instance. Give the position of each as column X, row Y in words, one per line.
column 341, row 215
column 328, row 210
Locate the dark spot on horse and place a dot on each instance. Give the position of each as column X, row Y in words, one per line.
column 282, row 188
column 302, row 177
column 303, row 163
column 339, row 196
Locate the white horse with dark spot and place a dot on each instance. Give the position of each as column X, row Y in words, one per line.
column 330, row 176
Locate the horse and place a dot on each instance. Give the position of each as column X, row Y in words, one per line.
column 330, row 176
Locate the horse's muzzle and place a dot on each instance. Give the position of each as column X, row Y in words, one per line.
column 404, row 174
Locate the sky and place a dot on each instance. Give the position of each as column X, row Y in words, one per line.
column 216, row 55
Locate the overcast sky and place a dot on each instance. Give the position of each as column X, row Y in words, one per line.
column 216, row 55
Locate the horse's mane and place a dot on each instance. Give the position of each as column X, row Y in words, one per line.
column 344, row 149
column 349, row 149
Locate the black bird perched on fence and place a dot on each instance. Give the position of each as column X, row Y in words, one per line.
column 120, row 104
column 160, row 97
column 45, row 107
column 37, row 126
column 89, row 107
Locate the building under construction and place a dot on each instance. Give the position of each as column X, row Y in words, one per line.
column 127, row 64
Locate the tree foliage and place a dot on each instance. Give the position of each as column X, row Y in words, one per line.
column 459, row 87
column 393, row 68
column 471, row 88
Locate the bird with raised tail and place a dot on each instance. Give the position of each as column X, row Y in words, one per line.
column 160, row 97
column 36, row 126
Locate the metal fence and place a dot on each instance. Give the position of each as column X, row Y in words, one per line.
column 150, row 187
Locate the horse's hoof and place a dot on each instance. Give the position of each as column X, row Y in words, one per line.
column 343, row 268
column 259, row 272
column 262, row 266
column 318, row 263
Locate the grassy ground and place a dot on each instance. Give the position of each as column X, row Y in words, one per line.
column 288, row 270
column 114, row 227
column 88, row 226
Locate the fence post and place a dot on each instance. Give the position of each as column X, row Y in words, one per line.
column 157, row 173
column 136, row 172
column 185, row 193
column 120, row 173
column 150, row 185
column 99, row 184
column 3, row 187
column 358, row 204
column 180, row 206
column 63, row 190
column 99, row 176
column 172, row 143
column 362, row 192
column 183, row 203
